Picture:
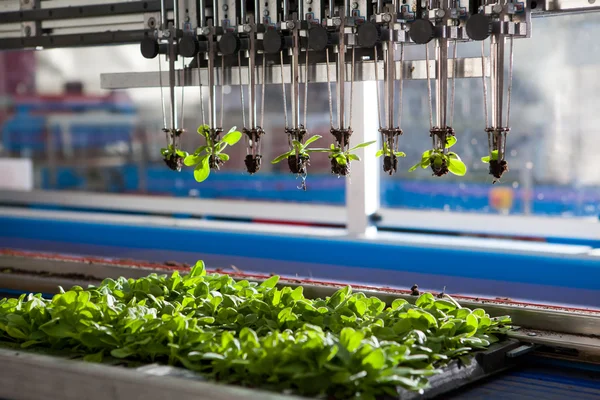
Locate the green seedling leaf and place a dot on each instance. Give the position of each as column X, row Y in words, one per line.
column 375, row 359
column 192, row 160
column 353, row 157
column 204, row 130
column 270, row 283
column 485, row 159
column 341, row 159
column 202, row 170
column 198, row 270
column 346, row 346
column 366, row 144
column 457, row 167
column 223, row 156
column 311, row 140
column 379, row 153
column 282, row 157
column 400, row 154
column 232, row 137
column 450, row 141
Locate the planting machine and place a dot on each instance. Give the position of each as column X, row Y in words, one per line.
column 548, row 284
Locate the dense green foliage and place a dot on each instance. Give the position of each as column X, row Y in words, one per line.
column 345, row 346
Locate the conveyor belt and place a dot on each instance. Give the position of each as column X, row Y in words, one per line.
column 538, row 379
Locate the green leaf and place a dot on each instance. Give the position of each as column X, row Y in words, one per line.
column 270, row 283
column 311, row 140
column 122, row 353
column 358, row 146
column 494, row 154
column 375, row 359
column 202, row 170
column 485, row 159
column 400, row 154
column 200, row 150
column 338, row 297
column 353, row 157
column 341, row 159
column 204, row 130
column 379, row 153
column 223, row 156
column 192, row 160
column 232, row 137
column 457, row 167
column 198, row 270
column 450, row 141
column 95, row 358
column 414, row 167
column 351, row 339
column 425, row 299
column 282, row 157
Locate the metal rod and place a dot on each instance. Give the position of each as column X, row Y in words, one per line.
column 400, row 86
column 441, row 95
column 390, row 71
column 216, row 13
column 379, row 7
column 347, row 9
column 174, row 123
column 510, row 81
column 286, row 10
column 163, row 14
column 295, row 86
column 242, row 12
column 341, row 74
column 201, row 13
column 257, row 12
column 212, row 90
column 252, row 80
column 176, row 14
column 331, row 6
column 300, row 10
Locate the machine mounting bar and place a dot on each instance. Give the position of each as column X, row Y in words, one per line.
column 416, row 69
column 97, row 10
column 74, row 40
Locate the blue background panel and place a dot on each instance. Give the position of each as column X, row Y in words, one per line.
column 557, row 279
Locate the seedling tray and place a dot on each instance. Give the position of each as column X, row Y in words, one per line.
column 53, row 375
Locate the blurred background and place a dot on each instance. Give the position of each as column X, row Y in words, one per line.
column 60, row 131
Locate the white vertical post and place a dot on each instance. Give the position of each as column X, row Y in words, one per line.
column 362, row 186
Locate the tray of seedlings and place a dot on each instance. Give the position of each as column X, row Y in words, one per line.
column 258, row 338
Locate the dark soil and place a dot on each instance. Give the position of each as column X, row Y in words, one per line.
column 414, row 290
column 339, row 170
column 498, row 168
column 252, row 163
column 390, row 164
column 441, row 170
column 342, row 134
column 298, row 164
column 174, row 162
column 215, row 162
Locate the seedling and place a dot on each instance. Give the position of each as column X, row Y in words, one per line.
column 211, row 156
column 442, row 162
column 390, row 158
column 497, row 167
column 172, row 155
column 263, row 335
column 340, row 159
column 298, row 157
column 173, row 158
